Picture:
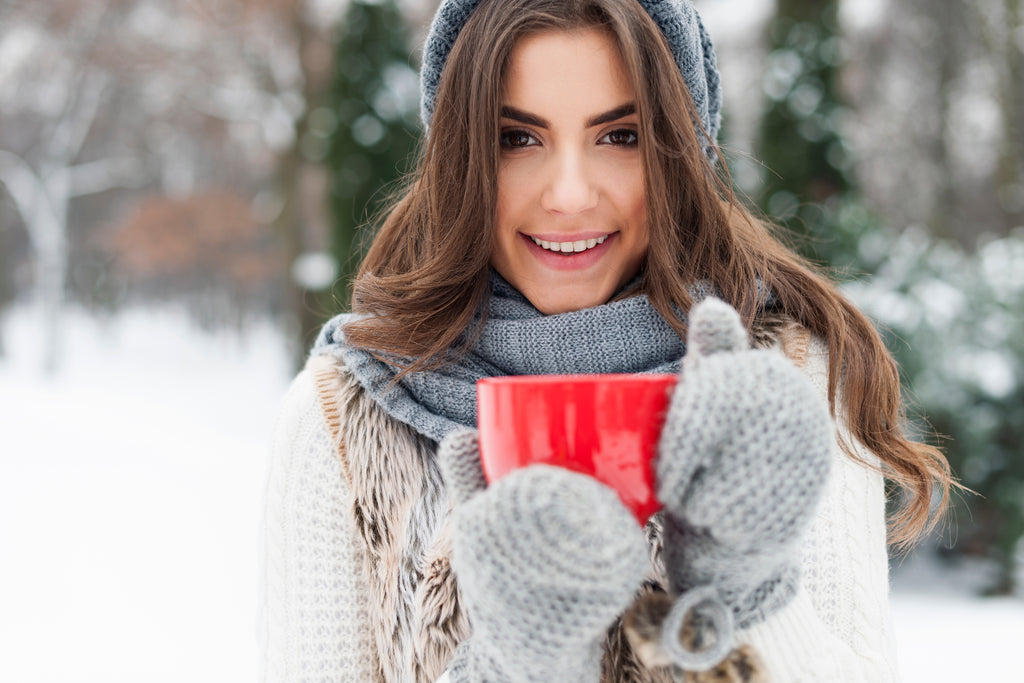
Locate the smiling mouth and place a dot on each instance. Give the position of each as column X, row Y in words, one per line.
column 574, row 247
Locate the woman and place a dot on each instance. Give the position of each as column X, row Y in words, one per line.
column 565, row 217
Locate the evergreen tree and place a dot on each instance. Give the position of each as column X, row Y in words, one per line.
column 375, row 97
column 807, row 178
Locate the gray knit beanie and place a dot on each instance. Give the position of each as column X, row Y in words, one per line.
column 677, row 19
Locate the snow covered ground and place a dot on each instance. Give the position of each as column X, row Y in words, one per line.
column 130, row 487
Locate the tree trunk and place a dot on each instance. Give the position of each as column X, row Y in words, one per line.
column 1010, row 166
column 299, row 224
column 941, row 220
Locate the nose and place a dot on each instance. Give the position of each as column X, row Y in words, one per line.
column 569, row 188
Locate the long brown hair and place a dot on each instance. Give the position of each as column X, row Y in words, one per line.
column 423, row 283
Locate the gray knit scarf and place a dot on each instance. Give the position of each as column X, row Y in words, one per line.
column 623, row 336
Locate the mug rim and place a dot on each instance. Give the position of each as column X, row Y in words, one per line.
column 652, row 377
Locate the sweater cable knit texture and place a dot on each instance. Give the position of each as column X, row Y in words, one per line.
column 314, row 604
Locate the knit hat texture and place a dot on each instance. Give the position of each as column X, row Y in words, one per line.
column 679, row 23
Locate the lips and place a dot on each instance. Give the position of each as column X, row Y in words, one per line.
column 593, row 248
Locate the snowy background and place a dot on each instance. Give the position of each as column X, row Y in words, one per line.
column 131, row 476
column 130, row 500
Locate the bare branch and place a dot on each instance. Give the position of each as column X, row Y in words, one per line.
column 21, row 180
column 103, row 175
column 69, row 138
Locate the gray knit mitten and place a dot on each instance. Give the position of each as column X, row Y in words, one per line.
column 742, row 461
column 546, row 559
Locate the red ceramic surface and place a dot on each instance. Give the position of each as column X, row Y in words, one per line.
column 606, row 426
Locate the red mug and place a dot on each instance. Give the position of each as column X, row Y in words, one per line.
column 605, row 426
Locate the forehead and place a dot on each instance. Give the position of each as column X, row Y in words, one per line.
column 579, row 69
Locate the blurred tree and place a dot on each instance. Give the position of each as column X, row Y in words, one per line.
column 940, row 140
column 807, row 177
column 955, row 322
column 939, row 127
column 937, row 95
column 372, row 125
column 8, row 277
column 106, row 103
column 1009, row 168
column 300, row 176
column 210, row 240
column 44, row 173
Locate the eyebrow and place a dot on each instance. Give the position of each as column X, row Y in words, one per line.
column 533, row 120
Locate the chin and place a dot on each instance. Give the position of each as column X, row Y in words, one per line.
column 553, row 305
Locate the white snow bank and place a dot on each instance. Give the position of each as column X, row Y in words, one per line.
column 943, row 637
column 130, row 488
column 944, row 632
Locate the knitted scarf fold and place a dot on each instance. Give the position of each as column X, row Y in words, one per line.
column 623, row 336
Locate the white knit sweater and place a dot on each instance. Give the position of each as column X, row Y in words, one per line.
column 837, row 629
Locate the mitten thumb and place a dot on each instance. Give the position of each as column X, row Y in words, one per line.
column 459, row 457
column 715, row 327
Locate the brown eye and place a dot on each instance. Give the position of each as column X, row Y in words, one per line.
column 623, row 137
column 515, row 139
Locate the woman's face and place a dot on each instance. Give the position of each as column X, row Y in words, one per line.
column 572, row 216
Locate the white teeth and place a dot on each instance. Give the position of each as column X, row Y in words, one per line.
column 569, row 247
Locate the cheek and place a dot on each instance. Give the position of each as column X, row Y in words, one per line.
column 508, row 200
column 518, row 201
column 631, row 198
column 509, row 218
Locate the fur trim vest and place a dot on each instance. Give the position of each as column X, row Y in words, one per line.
column 401, row 514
